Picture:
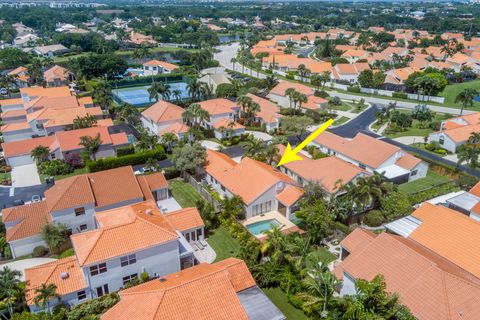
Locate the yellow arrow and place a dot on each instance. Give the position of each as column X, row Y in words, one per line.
column 291, row 155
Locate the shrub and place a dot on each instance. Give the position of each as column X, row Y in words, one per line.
column 123, row 151
column 171, row 173
column 433, row 192
column 74, row 160
column 395, row 204
column 128, row 160
column 54, row 168
column 373, row 218
column 342, row 228
column 336, row 101
column 441, row 151
column 465, row 181
column 39, row 251
column 400, row 95
column 144, row 276
column 93, row 307
column 321, row 94
column 67, row 253
column 353, row 89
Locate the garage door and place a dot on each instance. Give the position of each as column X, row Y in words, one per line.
column 20, row 160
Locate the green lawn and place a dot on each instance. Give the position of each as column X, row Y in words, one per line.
column 430, row 180
column 75, row 172
column 450, row 92
column 222, row 242
column 340, row 121
column 184, row 193
column 325, row 255
column 415, row 129
column 280, row 299
column 421, row 145
column 342, row 107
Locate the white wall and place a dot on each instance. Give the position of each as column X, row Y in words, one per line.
column 25, row 246
column 448, row 143
column 422, row 169
column 67, row 217
column 348, row 285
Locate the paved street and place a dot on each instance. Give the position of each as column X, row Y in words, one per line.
column 226, row 53
column 10, row 194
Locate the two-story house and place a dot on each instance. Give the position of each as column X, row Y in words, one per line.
column 154, row 67
column 75, row 200
column 258, row 184
column 164, row 117
column 150, row 246
column 373, row 155
column 223, row 114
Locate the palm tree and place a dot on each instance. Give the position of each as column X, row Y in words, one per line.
column 102, row 93
column 164, row 91
column 244, row 101
column 40, row 154
column 194, row 115
column 233, row 61
column 254, row 147
column 168, row 139
column 252, row 109
column 301, row 98
column 34, row 72
column 153, row 91
column 316, row 80
column 45, row 294
column 177, row 93
column 320, row 284
column 290, row 93
column 141, row 52
column 91, row 145
column 207, row 91
column 9, row 282
column 271, row 153
column 194, row 88
column 474, row 139
column 303, row 72
column 468, row 155
column 271, row 81
column 325, row 78
column 128, row 113
column 466, row 98
column 370, row 189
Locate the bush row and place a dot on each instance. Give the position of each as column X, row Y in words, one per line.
column 399, row 95
column 128, row 160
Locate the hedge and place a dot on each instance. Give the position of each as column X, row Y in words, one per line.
column 399, row 95
column 128, row 160
column 123, row 151
column 353, row 89
column 169, row 77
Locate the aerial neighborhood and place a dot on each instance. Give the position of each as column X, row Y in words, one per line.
column 283, row 161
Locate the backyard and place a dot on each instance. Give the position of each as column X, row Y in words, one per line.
column 184, row 193
column 280, row 299
column 432, row 179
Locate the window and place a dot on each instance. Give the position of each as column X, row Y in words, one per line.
column 100, row 268
column 199, row 233
column 361, row 165
column 223, row 188
column 102, row 290
column 441, row 140
column 52, row 156
column 81, row 295
column 130, row 259
column 129, row 279
column 414, row 173
column 83, row 227
column 187, row 237
column 79, row 211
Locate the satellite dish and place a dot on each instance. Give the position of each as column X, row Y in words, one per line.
column 3, row 91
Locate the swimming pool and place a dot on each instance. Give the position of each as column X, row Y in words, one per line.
column 139, row 97
column 262, row 226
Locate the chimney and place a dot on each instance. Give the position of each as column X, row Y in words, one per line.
column 149, row 212
column 64, row 275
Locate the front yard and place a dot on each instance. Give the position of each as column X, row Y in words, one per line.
column 432, row 179
column 75, row 172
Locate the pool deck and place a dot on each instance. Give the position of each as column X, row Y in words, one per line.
column 285, row 225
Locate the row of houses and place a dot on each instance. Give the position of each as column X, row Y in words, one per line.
column 55, row 76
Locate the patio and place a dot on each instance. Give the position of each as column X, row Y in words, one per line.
column 207, row 254
column 285, row 225
column 168, row 205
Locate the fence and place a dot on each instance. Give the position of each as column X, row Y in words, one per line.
column 204, row 193
column 147, row 80
column 178, row 45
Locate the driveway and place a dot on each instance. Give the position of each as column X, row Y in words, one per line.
column 260, row 135
column 356, row 125
column 21, row 265
column 25, row 176
column 410, row 139
column 211, row 145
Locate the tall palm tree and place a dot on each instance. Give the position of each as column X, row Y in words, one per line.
column 45, row 294
column 252, row 109
column 301, row 98
column 141, row 52
column 233, row 61
column 177, row 93
column 153, row 91
column 271, row 153
column 466, row 98
column 91, row 144
column 40, row 154
column 208, row 92
column 165, row 91
column 102, row 93
column 370, row 189
column 271, row 81
column 474, row 139
column 274, row 245
column 290, row 93
column 168, row 139
column 34, row 72
column 254, row 147
column 194, row 88
column 468, row 155
column 243, row 101
column 321, row 285
column 195, row 114
column 9, row 282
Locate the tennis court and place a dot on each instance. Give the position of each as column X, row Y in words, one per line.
column 139, row 97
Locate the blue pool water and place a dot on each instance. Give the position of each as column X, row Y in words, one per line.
column 261, row 226
column 138, row 96
column 477, row 98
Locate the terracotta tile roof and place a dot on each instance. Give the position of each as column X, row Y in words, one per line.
column 397, row 50
column 100, row 188
column 237, row 178
column 18, row 70
column 56, row 72
column 51, row 273
column 461, row 134
column 175, row 128
column 9, row 102
column 211, row 290
column 473, row 118
column 320, row 171
column 408, row 161
column 46, row 92
column 431, row 287
column 119, row 138
column 314, row 103
column 163, row 111
column 15, row 126
column 83, row 101
column 458, row 58
column 185, row 219
column 318, row 67
column 476, row 189
column 268, row 109
column 163, row 64
column 22, row 147
column 156, row 181
column 13, row 114
column 52, row 117
column 31, row 219
column 354, row 53
column 282, row 86
column 351, row 68
column 218, row 106
column 357, row 240
column 290, row 195
column 69, row 140
column 227, row 123
column 359, row 148
column 449, row 234
column 142, row 222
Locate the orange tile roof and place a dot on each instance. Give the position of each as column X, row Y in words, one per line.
column 473, row 118
column 354, row 53
column 185, row 219
column 290, row 195
column 56, row 72
column 46, row 92
column 282, row 86
column 142, row 222
column 211, row 290
column 357, row 240
column 119, row 138
column 408, row 161
column 108, row 122
column 52, row 102
column 83, row 101
column 461, row 134
column 52, row 117
column 18, row 70
column 320, row 171
column 51, row 273
column 431, row 287
column 163, row 64
column 268, row 109
column 359, row 148
column 449, row 234
column 227, row 123
column 476, row 189
column 351, row 68
column 155, row 181
column 314, row 103
column 237, row 178
column 13, row 114
column 176, row 128
column 23, row 147
column 458, row 58
column 318, row 67
column 32, row 217
column 10, row 102
column 163, row 111
column 218, row 106
column 70, row 140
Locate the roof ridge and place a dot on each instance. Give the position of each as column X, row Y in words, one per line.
column 445, row 294
column 99, row 232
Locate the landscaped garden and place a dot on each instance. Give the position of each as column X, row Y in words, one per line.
column 432, row 179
